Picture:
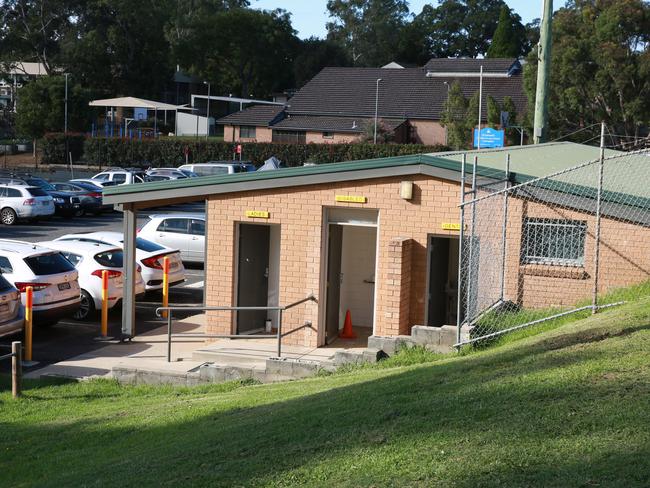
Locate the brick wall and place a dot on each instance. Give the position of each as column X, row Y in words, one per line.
column 337, row 138
column 427, row 132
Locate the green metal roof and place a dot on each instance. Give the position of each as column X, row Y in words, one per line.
column 526, row 161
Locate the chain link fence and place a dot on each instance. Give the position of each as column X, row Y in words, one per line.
column 538, row 249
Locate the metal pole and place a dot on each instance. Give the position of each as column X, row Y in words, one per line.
column 543, row 73
column 471, row 241
column 376, row 107
column 280, row 333
column 16, row 369
column 459, row 300
column 480, row 106
column 169, row 336
column 504, row 230
column 207, row 119
column 601, row 167
column 65, row 122
column 128, row 302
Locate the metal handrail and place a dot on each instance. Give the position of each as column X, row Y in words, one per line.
column 192, row 308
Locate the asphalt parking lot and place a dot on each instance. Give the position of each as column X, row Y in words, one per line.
column 69, row 337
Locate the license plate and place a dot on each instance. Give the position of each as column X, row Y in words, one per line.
column 64, row 286
column 46, row 203
column 4, row 307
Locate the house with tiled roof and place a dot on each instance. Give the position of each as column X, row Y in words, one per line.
column 339, row 104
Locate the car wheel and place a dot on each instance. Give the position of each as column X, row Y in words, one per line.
column 79, row 212
column 8, row 216
column 86, row 307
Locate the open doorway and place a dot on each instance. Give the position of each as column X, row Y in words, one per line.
column 258, row 277
column 350, row 273
column 442, row 281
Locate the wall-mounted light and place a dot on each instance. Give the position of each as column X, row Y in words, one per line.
column 406, row 190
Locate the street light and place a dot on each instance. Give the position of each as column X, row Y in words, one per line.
column 446, row 83
column 207, row 120
column 376, row 107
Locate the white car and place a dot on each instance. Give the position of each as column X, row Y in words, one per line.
column 183, row 231
column 120, row 176
column 11, row 310
column 52, row 277
column 149, row 256
column 24, row 202
column 212, row 168
column 91, row 259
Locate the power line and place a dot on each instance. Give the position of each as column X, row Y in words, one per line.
column 575, row 132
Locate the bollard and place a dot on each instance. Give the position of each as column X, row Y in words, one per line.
column 165, row 288
column 104, row 330
column 16, row 369
column 29, row 304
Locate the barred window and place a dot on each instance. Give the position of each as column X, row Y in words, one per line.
column 554, row 241
column 247, row 131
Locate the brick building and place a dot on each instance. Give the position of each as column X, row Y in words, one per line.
column 338, row 105
column 378, row 238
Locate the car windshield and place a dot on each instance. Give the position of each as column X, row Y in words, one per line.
column 47, row 264
column 146, row 246
column 36, row 191
column 188, row 173
column 4, row 284
column 41, row 184
column 113, row 258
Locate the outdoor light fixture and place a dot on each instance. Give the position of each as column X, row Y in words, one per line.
column 406, row 190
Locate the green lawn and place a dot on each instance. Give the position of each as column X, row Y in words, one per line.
column 570, row 407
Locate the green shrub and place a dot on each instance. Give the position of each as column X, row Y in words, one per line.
column 54, row 149
column 171, row 152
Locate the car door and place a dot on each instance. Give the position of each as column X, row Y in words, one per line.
column 174, row 232
column 197, row 240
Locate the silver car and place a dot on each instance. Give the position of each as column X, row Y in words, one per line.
column 24, row 202
column 182, row 231
column 11, row 309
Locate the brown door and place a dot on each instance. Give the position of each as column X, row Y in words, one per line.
column 253, row 283
column 333, row 281
column 438, row 271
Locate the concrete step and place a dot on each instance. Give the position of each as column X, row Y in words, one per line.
column 241, row 358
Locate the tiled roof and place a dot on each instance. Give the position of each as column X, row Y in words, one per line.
column 403, row 93
column 329, row 123
column 470, row 65
column 259, row 115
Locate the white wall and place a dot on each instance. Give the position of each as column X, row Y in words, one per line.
column 357, row 265
column 186, row 124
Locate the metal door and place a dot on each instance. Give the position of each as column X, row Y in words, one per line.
column 253, row 271
column 334, row 248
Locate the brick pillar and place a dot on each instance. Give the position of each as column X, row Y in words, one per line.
column 396, row 292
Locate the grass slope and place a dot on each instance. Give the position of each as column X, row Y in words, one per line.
column 570, row 407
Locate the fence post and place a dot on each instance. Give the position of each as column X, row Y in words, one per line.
column 601, row 167
column 16, row 369
column 29, row 303
column 459, row 298
column 169, row 337
column 504, row 230
column 471, row 241
column 280, row 333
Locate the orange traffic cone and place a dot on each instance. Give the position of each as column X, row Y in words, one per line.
column 347, row 332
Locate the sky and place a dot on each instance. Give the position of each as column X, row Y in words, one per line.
column 309, row 16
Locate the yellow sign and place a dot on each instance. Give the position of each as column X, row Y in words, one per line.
column 261, row 214
column 350, row 199
column 450, row 226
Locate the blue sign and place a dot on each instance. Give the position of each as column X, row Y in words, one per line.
column 141, row 114
column 489, row 138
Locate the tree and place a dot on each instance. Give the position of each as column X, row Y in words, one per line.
column 384, row 133
column 315, row 54
column 454, row 118
column 509, row 39
column 493, row 112
column 369, row 30
column 41, row 107
column 599, row 70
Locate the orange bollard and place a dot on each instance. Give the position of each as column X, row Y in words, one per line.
column 104, row 329
column 347, row 332
column 165, row 288
column 29, row 304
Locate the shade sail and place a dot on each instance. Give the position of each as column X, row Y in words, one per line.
column 132, row 102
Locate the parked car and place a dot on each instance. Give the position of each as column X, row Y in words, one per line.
column 88, row 190
column 212, row 168
column 161, row 174
column 11, row 310
column 66, row 203
column 148, row 254
column 120, row 176
column 96, row 183
column 52, row 277
column 91, row 259
column 19, row 202
column 183, row 231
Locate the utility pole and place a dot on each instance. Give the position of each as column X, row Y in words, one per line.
column 376, row 108
column 543, row 72
column 480, row 106
column 65, row 120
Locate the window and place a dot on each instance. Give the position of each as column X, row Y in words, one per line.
column 5, row 265
column 113, row 258
column 119, row 178
column 198, row 227
column 36, row 192
column 47, row 264
column 247, row 131
column 178, row 226
column 289, row 137
column 554, row 241
column 328, row 135
column 5, row 285
column 73, row 258
column 14, row 193
column 102, row 177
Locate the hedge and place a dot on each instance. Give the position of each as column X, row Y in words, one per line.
column 54, row 150
column 169, row 152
